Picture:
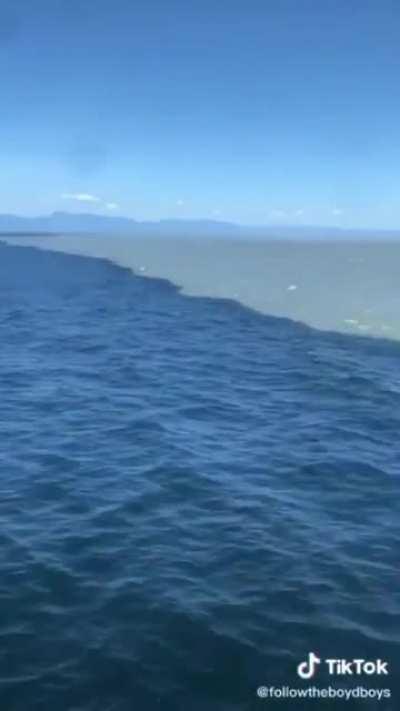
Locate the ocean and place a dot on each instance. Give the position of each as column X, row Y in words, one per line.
column 349, row 287
column 199, row 485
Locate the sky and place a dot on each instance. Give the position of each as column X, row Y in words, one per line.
column 258, row 112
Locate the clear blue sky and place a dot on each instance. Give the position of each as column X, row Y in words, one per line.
column 258, row 111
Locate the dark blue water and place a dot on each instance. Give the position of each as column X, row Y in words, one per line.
column 192, row 496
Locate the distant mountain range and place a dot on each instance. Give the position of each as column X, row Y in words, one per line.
column 66, row 222
column 88, row 223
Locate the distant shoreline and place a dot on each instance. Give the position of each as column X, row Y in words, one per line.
column 10, row 233
column 67, row 223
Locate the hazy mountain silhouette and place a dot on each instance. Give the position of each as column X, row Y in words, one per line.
column 87, row 222
column 66, row 222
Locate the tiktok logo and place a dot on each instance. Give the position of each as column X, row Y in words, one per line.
column 341, row 667
column 307, row 669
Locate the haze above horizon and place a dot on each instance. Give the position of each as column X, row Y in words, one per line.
column 281, row 113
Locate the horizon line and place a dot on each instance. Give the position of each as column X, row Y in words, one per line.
column 194, row 220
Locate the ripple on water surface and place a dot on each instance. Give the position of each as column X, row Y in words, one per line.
column 193, row 496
